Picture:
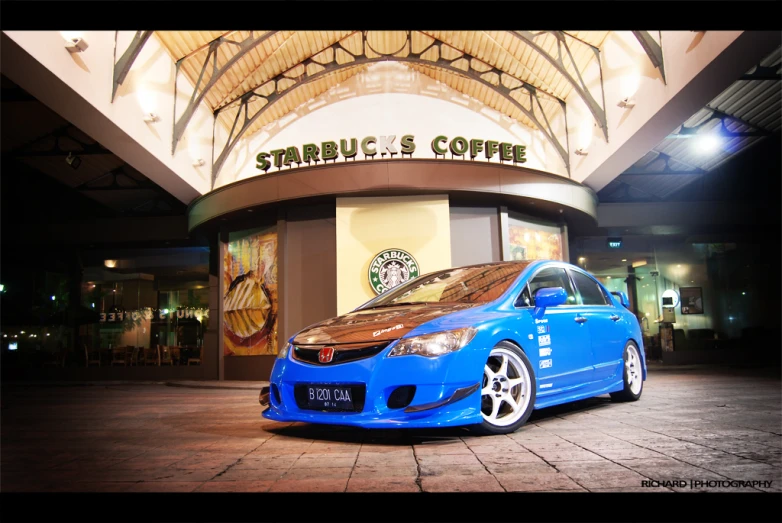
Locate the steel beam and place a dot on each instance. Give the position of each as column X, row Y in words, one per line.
column 123, row 65
column 653, row 50
column 200, row 89
column 763, row 73
column 691, row 132
column 558, row 62
column 666, row 168
column 61, row 132
column 243, row 120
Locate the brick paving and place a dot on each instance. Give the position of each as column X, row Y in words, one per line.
column 691, row 424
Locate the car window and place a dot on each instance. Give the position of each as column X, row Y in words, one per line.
column 552, row 277
column 475, row 284
column 590, row 291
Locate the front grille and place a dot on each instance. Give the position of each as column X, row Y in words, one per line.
column 342, row 353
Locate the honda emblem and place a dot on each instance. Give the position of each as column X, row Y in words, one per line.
column 326, row 354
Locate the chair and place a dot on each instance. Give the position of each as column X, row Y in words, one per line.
column 152, row 355
column 165, row 355
column 176, row 355
column 89, row 360
column 198, row 359
column 134, row 356
column 119, row 356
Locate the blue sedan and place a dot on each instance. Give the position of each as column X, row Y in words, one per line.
column 482, row 345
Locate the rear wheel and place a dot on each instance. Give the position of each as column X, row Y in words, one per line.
column 507, row 390
column 633, row 375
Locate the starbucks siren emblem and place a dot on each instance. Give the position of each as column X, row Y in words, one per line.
column 390, row 268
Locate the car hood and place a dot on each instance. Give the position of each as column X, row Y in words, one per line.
column 375, row 325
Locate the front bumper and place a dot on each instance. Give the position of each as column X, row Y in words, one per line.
column 447, row 389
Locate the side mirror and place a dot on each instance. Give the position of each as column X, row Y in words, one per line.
column 548, row 297
column 623, row 299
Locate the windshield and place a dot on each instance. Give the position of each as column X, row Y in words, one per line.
column 480, row 284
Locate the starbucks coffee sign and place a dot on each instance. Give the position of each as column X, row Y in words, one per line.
column 371, row 146
column 390, row 268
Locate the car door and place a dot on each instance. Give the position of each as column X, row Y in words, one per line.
column 560, row 339
column 604, row 325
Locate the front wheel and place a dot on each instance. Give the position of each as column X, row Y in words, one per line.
column 633, row 375
column 508, row 390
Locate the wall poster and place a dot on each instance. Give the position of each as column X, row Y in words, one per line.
column 531, row 241
column 691, row 300
column 250, row 293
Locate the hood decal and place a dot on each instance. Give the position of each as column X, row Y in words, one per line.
column 383, row 331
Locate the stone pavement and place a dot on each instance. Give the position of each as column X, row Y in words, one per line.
column 691, row 424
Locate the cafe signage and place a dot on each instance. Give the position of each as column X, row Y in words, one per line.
column 149, row 314
column 371, row 146
column 390, row 268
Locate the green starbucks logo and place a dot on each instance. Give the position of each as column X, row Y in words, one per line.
column 390, row 268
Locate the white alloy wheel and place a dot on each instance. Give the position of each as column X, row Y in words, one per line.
column 633, row 370
column 505, row 393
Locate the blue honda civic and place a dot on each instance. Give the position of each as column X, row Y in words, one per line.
column 482, row 345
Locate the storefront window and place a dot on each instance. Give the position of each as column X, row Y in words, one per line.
column 153, row 317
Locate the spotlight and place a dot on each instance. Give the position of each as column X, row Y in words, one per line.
column 76, row 45
column 198, row 163
column 73, row 160
column 581, row 152
column 627, row 103
column 707, row 143
column 151, row 118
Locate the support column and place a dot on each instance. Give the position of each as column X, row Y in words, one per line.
column 632, row 291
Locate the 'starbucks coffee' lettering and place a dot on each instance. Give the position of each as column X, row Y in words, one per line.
column 370, row 146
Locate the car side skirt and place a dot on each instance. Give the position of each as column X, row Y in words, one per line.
column 590, row 391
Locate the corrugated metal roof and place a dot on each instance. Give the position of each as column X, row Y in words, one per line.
column 751, row 108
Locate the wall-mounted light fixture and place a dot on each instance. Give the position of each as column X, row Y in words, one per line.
column 581, row 151
column 73, row 160
column 151, row 118
column 626, row 103
column 198, row 162
column 110, row 263
column 76, row 44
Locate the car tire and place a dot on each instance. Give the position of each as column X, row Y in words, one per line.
column 632, row 375
column 503, row 418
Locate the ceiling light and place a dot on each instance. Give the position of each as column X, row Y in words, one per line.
column 640, row 263
column 624, row 259
column 198, row 163
column 627, row 103
column 76, row 44
column 73, row 160
column 707, row 143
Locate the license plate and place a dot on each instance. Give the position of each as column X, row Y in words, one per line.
column 327, row 397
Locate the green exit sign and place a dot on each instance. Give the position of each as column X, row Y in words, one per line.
column 614, row 243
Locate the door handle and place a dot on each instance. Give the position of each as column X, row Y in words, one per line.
column 580, row 319
column 614, row 317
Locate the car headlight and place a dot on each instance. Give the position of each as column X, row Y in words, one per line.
column 284, row 352
column 437, row 344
